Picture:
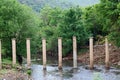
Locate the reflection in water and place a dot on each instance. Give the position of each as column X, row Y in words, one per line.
column 68, row 73
column 61, row 75
column 75, row 70
column 44, row 74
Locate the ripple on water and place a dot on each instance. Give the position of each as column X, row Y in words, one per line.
column 52, row 73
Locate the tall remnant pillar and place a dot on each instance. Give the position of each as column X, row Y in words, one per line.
column 74, row 52
column 44, row 53
column 91, row 52
column 106, row 54
column 60, row 53
column 14, row 51
column 28, row 52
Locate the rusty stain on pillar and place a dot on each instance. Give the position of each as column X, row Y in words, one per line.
column 44, row 53
column 60, row 53
column 106, row 54
column 74, row 52
column 0, row 55
column 91, row 52
column 28, row 52
column 14, row 51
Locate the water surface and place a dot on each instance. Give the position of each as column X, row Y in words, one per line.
column 68, row 73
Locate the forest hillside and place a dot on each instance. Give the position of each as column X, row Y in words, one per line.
column 37, row 5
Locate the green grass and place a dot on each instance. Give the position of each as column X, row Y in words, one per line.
column 5, row 71
column 8, row 67
column 29, row 71
column 6, row 61
column 82, row 51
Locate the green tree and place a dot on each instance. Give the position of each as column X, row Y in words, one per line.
column 109, row 10
column 50, row 19
column 94, row 22
column 62, row 23
column 16, row 21
column 72, row 25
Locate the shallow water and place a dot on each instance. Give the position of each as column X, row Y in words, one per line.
column 68, row 73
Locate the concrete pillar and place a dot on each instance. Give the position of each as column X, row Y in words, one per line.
column 28, row 52
column 106, row 54
column 13, row 51
column 60, row 53
column 74, row 52
column 44, row 53
column 91, row 52
column 0, row 55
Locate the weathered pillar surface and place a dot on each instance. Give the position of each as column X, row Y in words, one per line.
column 44, row 53
column 28, row 52
column 0, row 54
column 60, row 53
column 14, row 51
column 106, row 54
column 91, row 52
column 74, row 52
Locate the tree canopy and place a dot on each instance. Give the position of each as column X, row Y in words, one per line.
column 20, row 21
column 16, row 21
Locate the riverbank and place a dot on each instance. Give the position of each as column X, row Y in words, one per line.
column 99, row 55
column 12, row 74
column 17, row 72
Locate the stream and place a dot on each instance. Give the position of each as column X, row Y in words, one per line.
column 68, row 73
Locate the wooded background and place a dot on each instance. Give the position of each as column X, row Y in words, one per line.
column 57, row 19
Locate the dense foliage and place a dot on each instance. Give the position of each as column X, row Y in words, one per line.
column 20, row 22
column 63, row 23
column 72, row 25
column 110, row 14
column 16, row 21
column 37, row 5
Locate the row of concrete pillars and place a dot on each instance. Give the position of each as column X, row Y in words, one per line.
column 91, row 66
column 14, row 52
column 92, row 57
